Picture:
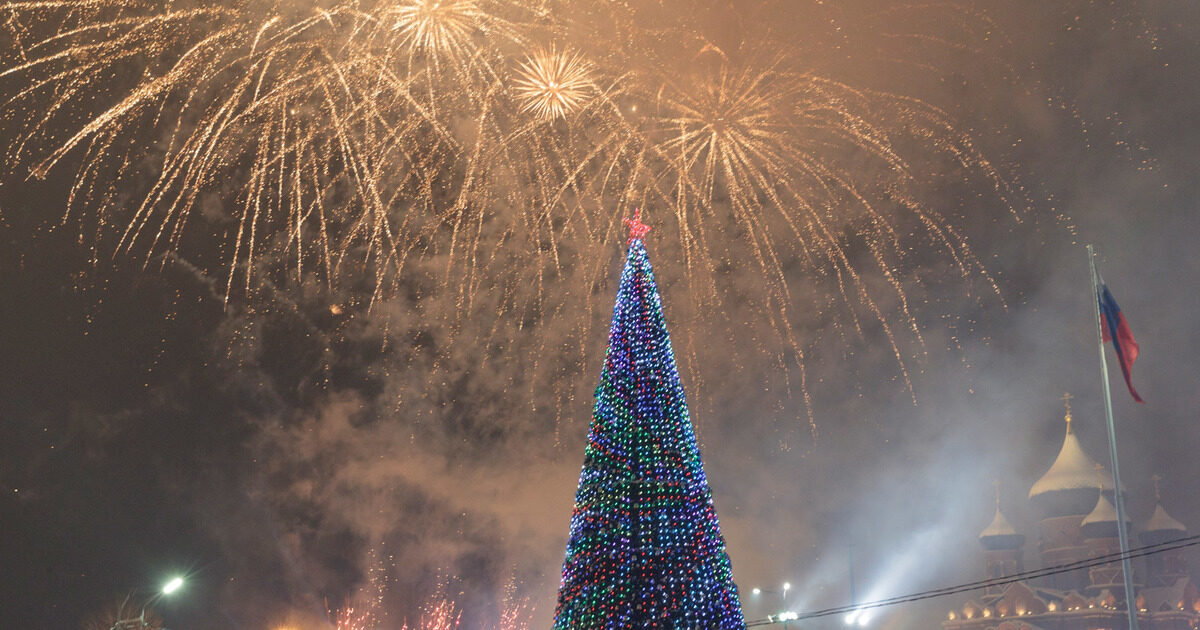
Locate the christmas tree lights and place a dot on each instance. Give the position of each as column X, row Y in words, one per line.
column 645, row 548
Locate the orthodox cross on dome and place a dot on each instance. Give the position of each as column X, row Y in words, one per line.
column 1066, row 398
column 637, row 229
column 1156, row 479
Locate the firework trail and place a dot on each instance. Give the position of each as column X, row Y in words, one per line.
column 442, row 614
column 492, row 145
column 437, row 614
column 367, row 611
column 349, row 618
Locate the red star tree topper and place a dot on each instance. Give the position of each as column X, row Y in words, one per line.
column 637, row 229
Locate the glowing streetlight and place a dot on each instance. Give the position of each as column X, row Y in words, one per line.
column 139, row 622
column 172, row 586
column 784, row 617
column 858, row 617
column 782, row 594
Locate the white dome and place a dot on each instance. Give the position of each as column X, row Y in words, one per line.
column 1160, row 521
column 1104, row 512
column 1071, row 470
column 999, row 527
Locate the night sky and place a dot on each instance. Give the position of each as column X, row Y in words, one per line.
column 280, row 448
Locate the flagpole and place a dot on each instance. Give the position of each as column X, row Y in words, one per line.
column 1122, row 530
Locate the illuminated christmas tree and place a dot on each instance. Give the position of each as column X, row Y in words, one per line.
column 645, row 549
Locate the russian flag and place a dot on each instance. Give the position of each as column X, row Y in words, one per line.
column 1111, row 318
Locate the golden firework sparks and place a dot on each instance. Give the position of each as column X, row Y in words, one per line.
column 552, row 84
column 441, row 28
column 283, row 146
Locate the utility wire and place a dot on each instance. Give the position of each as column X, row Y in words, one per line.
column 1178, row 543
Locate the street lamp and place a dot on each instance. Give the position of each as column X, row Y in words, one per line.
column 139, row 622
column 787, row 586
column 784, row 616
column 860, row 617
column 172, row 586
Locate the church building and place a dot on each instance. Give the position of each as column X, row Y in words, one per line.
column 1078, row 523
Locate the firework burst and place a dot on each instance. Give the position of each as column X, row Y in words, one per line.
column 442, row 28
column 553, row 84
column 383, row 148
column 761, row 138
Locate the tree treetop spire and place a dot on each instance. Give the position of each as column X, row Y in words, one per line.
column 637, row 229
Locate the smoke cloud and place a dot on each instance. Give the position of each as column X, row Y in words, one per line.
column 298, row 444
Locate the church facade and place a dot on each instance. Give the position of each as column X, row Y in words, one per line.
column 1078, row 524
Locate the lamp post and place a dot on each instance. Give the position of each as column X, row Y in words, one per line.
column 859, row 617
column 139, row 622
column 783, row 616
